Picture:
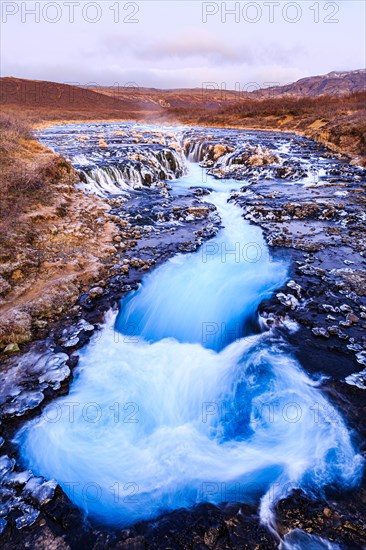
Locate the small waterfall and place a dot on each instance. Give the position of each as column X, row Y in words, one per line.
column 110, row 179
column 208, row 153
column 236, row 273
column 124, row 174
column 196, row 150
column 204, row 152
column 225, row 160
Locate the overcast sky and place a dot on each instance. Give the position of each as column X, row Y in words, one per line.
column 170, row 44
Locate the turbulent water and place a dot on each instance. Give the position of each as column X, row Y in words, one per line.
column 113, row 158
column 182, row 398
column 210, row 297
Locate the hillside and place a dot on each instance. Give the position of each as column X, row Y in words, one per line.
column 181, row 97
column 50, row 100
column 43, row 101
column 333, row 84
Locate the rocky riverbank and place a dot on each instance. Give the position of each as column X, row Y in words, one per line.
column 311, row 208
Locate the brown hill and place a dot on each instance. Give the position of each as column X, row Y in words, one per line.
column 333, row 84
column 43, row 101
column 181, row 97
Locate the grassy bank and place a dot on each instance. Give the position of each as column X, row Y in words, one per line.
column 50, row 243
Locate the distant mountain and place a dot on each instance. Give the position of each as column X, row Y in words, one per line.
column 335, row 83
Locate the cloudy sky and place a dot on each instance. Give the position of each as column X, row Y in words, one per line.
column 179, row 43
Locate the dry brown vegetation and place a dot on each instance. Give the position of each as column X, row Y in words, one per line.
column 50, row 243
column 28, row 179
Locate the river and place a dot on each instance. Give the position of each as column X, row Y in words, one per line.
column 186, row 396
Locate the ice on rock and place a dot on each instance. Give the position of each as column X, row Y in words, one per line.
column 71, row 342
column 6, row 465
column 287, row 300
column 84, row 325
column 54, row 361
column 55, row 376
column 357, row 379
column 51, row 369
column 17, row 478
column 47, row 361
column 361, row 357
column 32, row 485
column 20, row 388
column 29, row 516
column 70, row 336
column 23, row 402
column 296, row 287
column 40, row 490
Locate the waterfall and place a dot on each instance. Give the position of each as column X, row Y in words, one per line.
column 181, row 400
column 110, row 180
column 124, row 174
column 234, row 270
column 196, row 150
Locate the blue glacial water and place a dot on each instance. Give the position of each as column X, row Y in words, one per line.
column 180, row 399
